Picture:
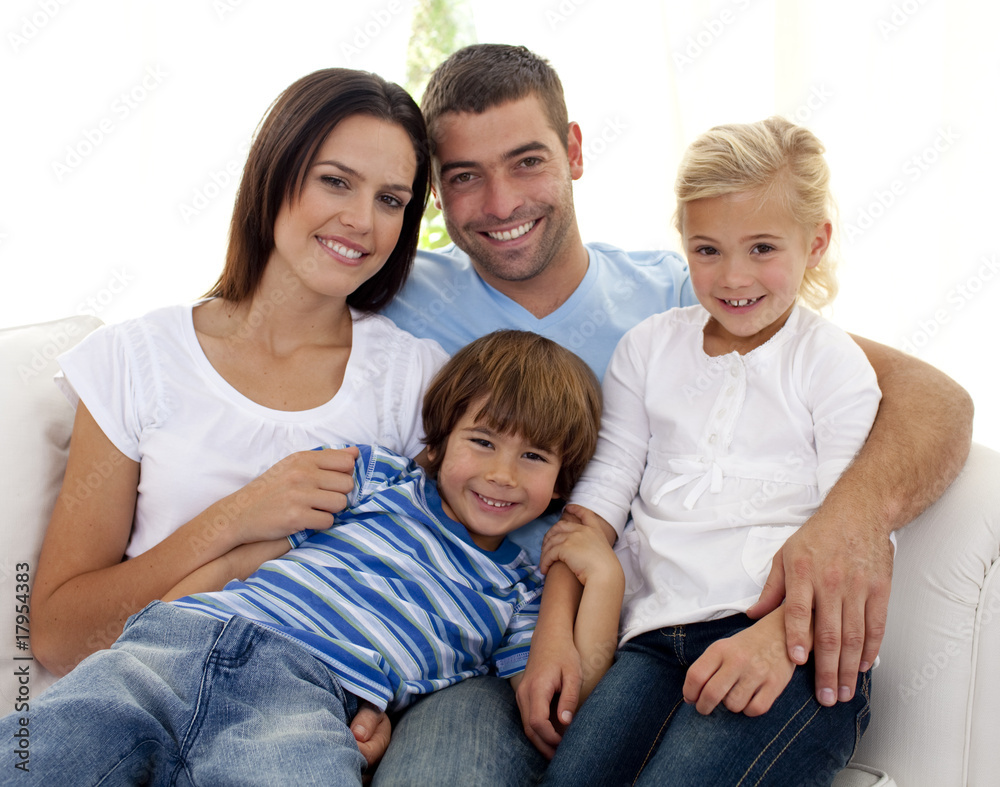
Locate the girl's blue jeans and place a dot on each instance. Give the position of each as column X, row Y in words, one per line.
column 636, row 729
column 185, row 699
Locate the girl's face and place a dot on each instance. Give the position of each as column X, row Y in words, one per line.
column 747, row 260
column 341, row 228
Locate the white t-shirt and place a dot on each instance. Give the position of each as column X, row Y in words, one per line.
column 154, row 393
column 719, row 459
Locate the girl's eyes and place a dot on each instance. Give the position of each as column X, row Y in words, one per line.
column 763, row 248
column 706, row 250
column 534, row 457
column 333, row 180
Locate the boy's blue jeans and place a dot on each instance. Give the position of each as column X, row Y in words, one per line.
column 185, row 699
column 636, row 728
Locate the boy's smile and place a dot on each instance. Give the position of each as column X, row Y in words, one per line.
column 492, row 482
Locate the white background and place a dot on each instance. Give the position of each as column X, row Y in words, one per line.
column 124, row 122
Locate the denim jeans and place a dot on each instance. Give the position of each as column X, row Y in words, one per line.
column 635, row 727
column 469, row 734
column 184, row 699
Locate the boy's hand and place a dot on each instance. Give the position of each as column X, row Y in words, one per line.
column 371, row 729
column 746, row 672
column 548, row 691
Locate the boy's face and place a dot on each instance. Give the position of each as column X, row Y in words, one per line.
column 493, row 483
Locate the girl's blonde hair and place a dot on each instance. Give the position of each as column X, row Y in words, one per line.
column 776, row 159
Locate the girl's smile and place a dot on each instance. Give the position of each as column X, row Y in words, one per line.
column 747, row 257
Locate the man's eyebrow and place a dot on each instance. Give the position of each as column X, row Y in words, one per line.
column 528, row 147
column 355, row 174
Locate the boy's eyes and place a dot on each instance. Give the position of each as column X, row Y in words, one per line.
column 534, row 456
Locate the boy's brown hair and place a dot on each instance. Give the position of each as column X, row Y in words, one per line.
column 532, row 387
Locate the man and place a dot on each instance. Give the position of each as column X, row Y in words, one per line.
column 504, row 158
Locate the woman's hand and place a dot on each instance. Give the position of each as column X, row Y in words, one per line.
column 300, row 492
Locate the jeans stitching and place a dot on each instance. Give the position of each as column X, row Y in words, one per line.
column 656, row 741
column 785, row 747
column 197, row 719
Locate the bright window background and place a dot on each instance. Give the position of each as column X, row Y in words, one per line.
column 125, row 122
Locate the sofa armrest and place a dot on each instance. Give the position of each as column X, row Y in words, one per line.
column 936, row 690
column 35, row 424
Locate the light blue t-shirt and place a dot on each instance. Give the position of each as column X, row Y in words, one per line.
column 446, row 300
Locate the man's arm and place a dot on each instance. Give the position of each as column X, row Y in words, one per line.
column 839, row 563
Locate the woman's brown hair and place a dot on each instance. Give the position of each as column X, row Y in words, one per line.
column 282, row 151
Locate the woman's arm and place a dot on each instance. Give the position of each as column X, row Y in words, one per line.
column 84, row 591
column 238, row 563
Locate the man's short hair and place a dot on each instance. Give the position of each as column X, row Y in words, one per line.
column 528, row 385
column 482, row 76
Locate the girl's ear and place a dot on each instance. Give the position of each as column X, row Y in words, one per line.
column 819, row 243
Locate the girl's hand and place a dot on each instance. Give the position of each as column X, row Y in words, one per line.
column 300, row 492
column 582, row 540
column 745, row 672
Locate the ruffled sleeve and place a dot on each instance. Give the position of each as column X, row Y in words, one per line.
column 113, row 372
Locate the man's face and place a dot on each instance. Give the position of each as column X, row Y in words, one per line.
column 504, row 183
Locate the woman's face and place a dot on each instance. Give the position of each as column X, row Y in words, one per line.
column 340, row 229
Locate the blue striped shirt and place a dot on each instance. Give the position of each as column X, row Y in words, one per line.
column 395, row 598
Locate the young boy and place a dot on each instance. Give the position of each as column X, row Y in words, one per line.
column 413, row 588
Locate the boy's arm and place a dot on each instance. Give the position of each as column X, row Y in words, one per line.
column 585, row 548
column 554, row 668
column 577, row 549
column 840, row 560
column 745, row 672
column 238, row 563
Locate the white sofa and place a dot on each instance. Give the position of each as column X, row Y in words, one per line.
column 936, row 696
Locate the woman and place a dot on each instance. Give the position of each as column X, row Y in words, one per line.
column 194, row 427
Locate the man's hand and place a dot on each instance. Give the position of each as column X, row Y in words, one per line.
column 837, row 581
column 371, row 729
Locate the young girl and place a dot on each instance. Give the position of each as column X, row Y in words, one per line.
column 724, row 426
column 195, row 423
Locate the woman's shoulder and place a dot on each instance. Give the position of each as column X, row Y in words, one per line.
column 378, row 328
column 135, row 336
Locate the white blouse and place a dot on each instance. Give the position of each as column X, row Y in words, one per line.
column 719, row 459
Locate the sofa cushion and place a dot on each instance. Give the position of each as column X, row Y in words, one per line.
column 35, row 424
